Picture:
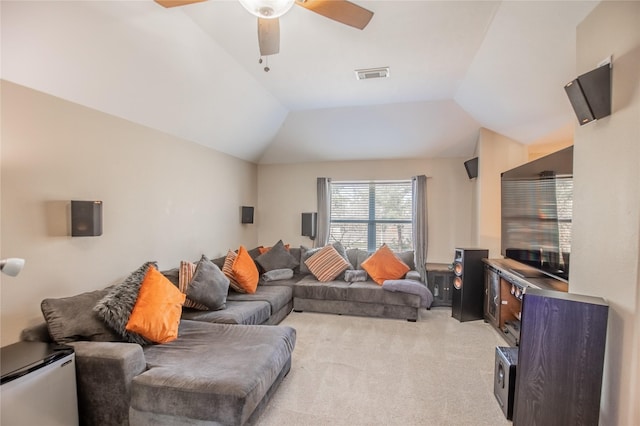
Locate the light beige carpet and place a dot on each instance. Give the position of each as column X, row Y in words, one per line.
column 367, row 371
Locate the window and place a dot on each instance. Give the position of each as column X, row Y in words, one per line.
column 366, row 214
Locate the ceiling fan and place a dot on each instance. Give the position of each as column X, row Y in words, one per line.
column 268, row 12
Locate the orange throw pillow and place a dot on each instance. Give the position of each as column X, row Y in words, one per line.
column 385, row 265
column 156, row 314
column 263, row 249
column 245, row 271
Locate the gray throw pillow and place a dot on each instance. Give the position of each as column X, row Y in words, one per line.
column 277, row 274
column 343, row 252
column 355, row 275
column 361, row 256
column 306, row 253
column 413, row 287
column 277, row 258
column 72, row 318
column 172, row 275
column 209, row 286
column 115, row 308
column 408, row 258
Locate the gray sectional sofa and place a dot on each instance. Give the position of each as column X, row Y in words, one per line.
column 225, row 364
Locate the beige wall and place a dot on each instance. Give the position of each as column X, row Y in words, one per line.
column 165, row 199
column 540, row 150
column 285, row 191
column 606, row 205
column 497, row 154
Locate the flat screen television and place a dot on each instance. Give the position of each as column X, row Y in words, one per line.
column 536, row 213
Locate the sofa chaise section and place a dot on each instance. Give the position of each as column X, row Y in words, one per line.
column 212, row 374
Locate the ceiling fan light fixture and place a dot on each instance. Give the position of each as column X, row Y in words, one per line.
column 267, row 9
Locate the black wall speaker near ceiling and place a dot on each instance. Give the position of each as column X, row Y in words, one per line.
column 86, row 218
column 309, row 225
column 590, row 94
column 472, row 167
column 247, row 214
column 467, row 300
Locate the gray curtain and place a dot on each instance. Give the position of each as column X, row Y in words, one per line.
column 419, row 223
column 324, row 211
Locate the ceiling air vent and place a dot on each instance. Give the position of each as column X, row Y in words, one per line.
column 366, row 74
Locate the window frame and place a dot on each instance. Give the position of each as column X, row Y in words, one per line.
column 371, row 221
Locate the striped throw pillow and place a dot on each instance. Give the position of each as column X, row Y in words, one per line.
column 184, row 279
column 327, row 264
column 227, row 269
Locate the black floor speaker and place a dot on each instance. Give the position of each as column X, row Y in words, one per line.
column 467, row 300
column 504, row 383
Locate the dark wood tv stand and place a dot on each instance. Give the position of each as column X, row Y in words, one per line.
column 505, row 282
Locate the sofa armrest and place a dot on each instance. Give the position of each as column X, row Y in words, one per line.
column 36, row 333
column 104, row 371
column 413, row 275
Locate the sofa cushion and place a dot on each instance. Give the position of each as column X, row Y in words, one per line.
column 327, row 264
column 115, row 308
column 310, row 288
column 209, row 286
column 278, row 257
column 73, row 318
column 384, row 265
column 237, row 312
column 277, row 274
column 219, row 383
column 156, row 313
column 276, row 296
column 370, row 292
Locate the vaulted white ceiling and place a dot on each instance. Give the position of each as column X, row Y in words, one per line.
column 193, row 72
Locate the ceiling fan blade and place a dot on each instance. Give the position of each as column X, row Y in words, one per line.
column 269, row 36
column 339, row 10
column 174, row 3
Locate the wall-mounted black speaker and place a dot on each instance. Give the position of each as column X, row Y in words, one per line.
column 590, row 94
column 247, row 214
column 86, row 218
column 309, row 225
column 472, row 167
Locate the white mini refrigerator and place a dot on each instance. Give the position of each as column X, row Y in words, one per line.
column 38, row 385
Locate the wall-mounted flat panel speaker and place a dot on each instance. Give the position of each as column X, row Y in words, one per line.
column 309, row 225
column 86, row 218
column 247, row 214
column 472, row 167
column 590, row 94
